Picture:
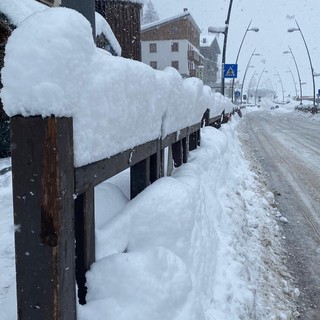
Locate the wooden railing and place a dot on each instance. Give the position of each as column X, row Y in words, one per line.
column 54, row 206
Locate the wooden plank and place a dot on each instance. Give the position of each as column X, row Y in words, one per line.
column 85, row 240
column 215, row 122
column 169, row 140
column 89, row 176
column 43, row 184
column 194, row 128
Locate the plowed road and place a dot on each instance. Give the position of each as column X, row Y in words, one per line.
column 288, row 148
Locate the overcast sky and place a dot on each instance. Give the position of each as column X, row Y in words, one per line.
column 273, row 17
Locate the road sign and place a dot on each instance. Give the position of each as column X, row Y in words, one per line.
column 230, row 71
column 237, row 94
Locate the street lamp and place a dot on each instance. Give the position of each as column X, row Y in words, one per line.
column 248, row 29
column 250, row 85
column 294, row 81
column 225, row 32
column 245, row 73
column 312, row 70
column 295, row 62
column 281, row 83
column 255, row 96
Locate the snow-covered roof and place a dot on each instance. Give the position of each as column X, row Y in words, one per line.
column 151, row 25
column 206, row 39
column 102, row 27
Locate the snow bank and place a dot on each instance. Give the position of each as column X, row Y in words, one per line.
column 116, row 103
column 18, row 10
column 188, row 247
column 199, row 245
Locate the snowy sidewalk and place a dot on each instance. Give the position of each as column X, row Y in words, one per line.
column 202, row 244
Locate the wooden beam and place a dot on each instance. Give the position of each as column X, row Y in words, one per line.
column 43, row 184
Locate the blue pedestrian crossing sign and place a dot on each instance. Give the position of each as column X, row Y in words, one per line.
column 230, row 71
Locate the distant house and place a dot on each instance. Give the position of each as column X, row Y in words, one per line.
column 173, row 42
column 209, row 48
column 123, row 17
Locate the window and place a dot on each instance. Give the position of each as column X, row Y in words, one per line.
column 175, row 64
column 154, row 64
column 175, row 46
column 153, row 47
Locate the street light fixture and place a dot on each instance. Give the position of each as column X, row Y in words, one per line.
column 224, row 31
column 248, row 29
column 295, row 62
column 245, row 73
column 312, row 70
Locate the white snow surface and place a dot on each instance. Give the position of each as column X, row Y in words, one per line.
column 18, row 10
column 105, row 95
column 201, row 244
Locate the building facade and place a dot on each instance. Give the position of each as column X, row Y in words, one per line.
column 209, row 48
column 173, row 42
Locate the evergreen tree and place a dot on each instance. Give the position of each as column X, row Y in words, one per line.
column 149, row 13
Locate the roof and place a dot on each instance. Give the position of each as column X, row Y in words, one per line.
column 207, row 40
column 185, row 14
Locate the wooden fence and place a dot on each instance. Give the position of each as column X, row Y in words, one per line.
column 54, row 207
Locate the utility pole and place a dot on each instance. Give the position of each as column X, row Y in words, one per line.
column 86, row 8
column 225, row 46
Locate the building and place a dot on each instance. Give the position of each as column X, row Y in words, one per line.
column 209, row 49
column 173, row 42
column 123, row 17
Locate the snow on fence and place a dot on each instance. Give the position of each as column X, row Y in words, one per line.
column 78, row 117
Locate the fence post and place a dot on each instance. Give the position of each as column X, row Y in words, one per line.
column 43, row 185
column 185, row 148
column 85, row 240
column 157, row 164
column 205, row 118
column 139, row 177
column 193, row 141
column 177, row 153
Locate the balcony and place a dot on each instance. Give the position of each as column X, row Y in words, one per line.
column 195, row 57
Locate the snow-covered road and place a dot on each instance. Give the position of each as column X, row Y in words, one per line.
column 287, row 146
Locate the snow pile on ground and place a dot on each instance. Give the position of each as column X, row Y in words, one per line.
column 201, row 244
column 124, row 100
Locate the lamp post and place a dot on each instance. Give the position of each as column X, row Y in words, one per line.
column 298, row 72
column 256, row 92
column 245, row 73
column 281, row 83
column 250, row 85
column 224, row 31
column 248, row 29
column 312, row 70
column 294, row 81
column 86, row 8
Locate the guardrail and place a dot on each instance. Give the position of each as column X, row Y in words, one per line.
column 54, row 206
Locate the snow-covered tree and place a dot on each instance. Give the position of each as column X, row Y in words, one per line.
column 149, row 13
